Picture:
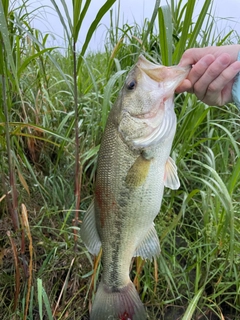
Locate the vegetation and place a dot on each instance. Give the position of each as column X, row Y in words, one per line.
column 54, row 108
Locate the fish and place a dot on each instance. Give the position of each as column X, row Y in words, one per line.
column 134, row 166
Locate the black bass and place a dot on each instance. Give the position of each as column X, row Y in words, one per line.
column 133, row 167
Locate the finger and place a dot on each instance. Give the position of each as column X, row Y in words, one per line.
column 186, row 85
column 195, row 74
column 198, row 70
column 216, row 68
column 193, row 55
column 220, row 89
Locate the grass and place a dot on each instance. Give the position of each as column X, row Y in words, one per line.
column 55, row 106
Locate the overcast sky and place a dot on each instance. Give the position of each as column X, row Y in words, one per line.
column 130, row 11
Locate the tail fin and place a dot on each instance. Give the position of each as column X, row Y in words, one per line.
column 117, row 304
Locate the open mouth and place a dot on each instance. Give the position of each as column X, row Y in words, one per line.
column 172, row 75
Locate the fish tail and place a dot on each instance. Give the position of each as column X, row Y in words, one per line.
column 117, row 304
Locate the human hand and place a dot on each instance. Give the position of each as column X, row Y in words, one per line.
column 212, row 74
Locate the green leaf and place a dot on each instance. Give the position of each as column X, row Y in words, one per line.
column 165, row 34
column 102, row 11
column 193, row 305
column 29, row 59
column 235, row 177
column 62, row 19
column 40, row 305
column 79, row 22
column 216, row 180
column 151, row 23
column 107, row 95
column 229, row 134
column 199, row 23
column 6, row 41
column 20, row 125
column 188, row 20
column 47, row 304
column 77, row 5
column 51, row 57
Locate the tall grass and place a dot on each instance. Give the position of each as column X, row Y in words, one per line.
column 55, row 106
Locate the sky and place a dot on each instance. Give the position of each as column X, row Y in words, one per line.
column 130, row 10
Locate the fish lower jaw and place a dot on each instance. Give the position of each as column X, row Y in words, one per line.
column 155, row 113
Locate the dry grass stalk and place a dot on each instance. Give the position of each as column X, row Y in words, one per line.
column 25, row 226
column 17, row 271
column 63, row 287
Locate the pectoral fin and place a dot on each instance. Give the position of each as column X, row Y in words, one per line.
column 171, row 177
column 89, row 233
column 138, row 172
column 149, row 247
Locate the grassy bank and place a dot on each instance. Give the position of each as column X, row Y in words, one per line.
column 54, row 109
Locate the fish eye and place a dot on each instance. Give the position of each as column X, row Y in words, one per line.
column 131, row 85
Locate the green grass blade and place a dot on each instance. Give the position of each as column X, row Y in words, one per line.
column 188, row 20
column 235, row 177
column 28, row 60
column 81, row 18
column 199, row 23
column 20, row 125
column 221, row 190
column 151, row 22
column 7, row 44
column 163, row 265
column 31, row 304
column 102, row 11
column 62, row 19
column 42, row 297
column 77, row 5
column 107, row 95
column 40, row 304
column 47, row 304
column 51, row 57
column 229, row 135
column 193, row 305
column 165, row 34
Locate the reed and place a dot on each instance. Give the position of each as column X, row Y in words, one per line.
column 54, row 109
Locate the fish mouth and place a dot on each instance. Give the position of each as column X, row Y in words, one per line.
column 175, row 75
column 171, row 76
column 161, row 119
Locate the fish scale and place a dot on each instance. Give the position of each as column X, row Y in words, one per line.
column 133, row 168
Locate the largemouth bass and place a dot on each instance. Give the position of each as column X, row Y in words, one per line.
column 133, row 168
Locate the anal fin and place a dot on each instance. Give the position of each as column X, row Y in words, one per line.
column 149, row 247
column 89, row 233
